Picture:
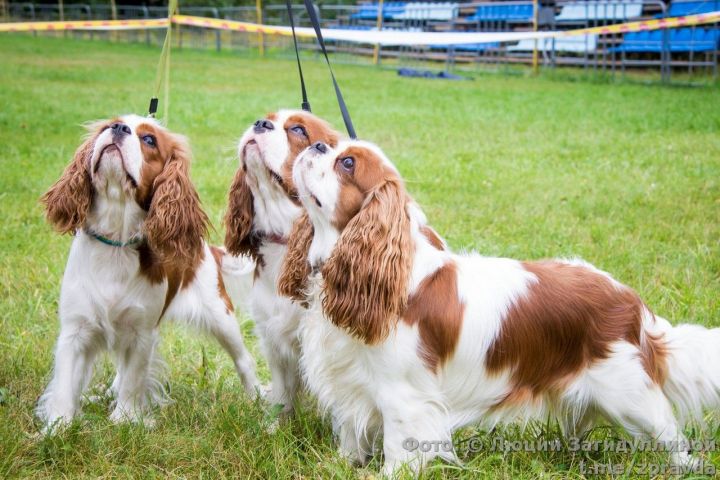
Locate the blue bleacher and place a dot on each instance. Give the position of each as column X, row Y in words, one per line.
column 682, row 9
column 369, row 11
column 476, row 47
column 500, row 12
column 619, row 10
column 468, row 47
column 351, row 27
column 679, row 40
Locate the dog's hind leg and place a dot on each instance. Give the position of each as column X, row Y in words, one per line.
column 622, row 390
column 224, row 328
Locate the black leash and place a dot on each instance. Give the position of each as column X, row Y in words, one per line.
column 305, row 103
column 341, row 102
column 162, row 77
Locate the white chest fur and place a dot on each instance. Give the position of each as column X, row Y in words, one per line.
column 107, row 281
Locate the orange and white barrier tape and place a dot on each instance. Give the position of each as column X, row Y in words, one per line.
column 380, row 37
column 84, row 25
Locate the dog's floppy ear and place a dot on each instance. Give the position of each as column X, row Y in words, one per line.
column 176, row 224
column 239, row 217
column 67, row 203
column 367, row 274
column 295, row 268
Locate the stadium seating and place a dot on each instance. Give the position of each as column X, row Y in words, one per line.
column 428, row 11
column 600, row 10
column 468, row 47
column 681, row 9
column 679, row 40
column 369, row 11
column 367, row 28
column 477, row 47
column 518, row 12
column 575, row 44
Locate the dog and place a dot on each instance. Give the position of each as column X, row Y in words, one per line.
column 138, row 257
column 405, row 339
column 262, row 206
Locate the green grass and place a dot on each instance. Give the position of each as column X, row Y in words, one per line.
column 626, row 176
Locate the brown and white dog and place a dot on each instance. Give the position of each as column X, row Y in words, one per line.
column 408, row 340
column 138, row 256
column 263, row 204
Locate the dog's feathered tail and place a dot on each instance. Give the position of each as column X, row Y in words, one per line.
column 238, row 274
column 692, row 353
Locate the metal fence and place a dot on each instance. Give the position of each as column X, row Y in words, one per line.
column 688, row 52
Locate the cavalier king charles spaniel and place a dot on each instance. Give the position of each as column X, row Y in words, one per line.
column 263, row 204
column 405, row 339
column 138, row 256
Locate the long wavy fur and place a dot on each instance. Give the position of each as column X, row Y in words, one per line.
column 68, row 201
column 239, row 217
column 296, row 268
column 176, row 224
column 366, row 276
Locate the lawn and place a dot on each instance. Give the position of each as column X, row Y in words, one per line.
column 626, row 176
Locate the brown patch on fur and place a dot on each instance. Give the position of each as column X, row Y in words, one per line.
column 151, row 265
column 367, row 273
column 370, row 171
column 318, row 130
column 154, row 162
column 567, row 321
column 431, row 235
column 239, row 218
column 68, row 201
column 218, row 254
column 295, row 269
column 176, row 224
column 156, row 270
column 438, row 311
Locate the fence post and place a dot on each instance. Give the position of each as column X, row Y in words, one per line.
column 218, row 39
column 665, row 56
column 61, row 15
column 113, row 14
column 260, row 36
column 178, row 30
column 3, row 10
column 379, row 23
column 146, row 14
column 536, row 9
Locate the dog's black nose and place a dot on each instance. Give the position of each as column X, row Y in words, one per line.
column 320, row 147
column 263, row 125
column 119, row 129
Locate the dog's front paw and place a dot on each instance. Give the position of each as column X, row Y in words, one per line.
column 131, row 415
column 101, row 393
column 55, row 425
column 353, row 456
column 265, row 392
column 55, row 416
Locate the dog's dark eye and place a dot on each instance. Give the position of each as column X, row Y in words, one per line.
column 149, row 140
column 347, row 163
column 299, row 129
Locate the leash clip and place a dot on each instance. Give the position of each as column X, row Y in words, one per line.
column 152, row 110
